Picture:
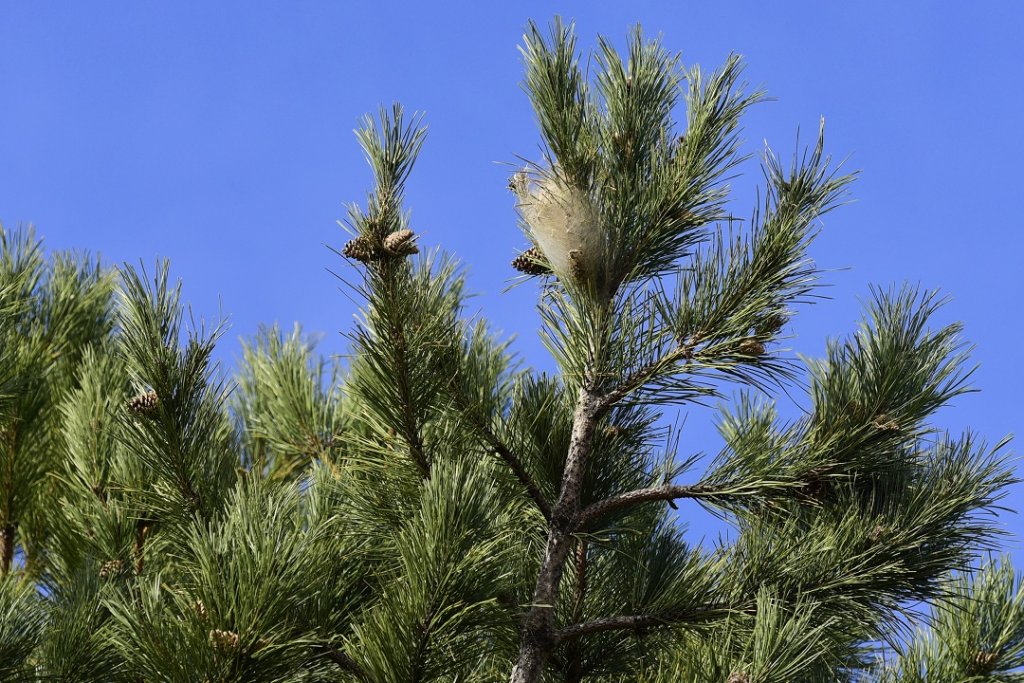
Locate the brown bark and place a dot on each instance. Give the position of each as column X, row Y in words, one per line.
column 141, row 531
column 6, row 547
column 344, row 661
column 538, row 630
column 666, row 492
column 523, row 476
column 574, row 671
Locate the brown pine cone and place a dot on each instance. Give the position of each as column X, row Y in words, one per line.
column 531, row 262
column 111, row 568
column 144, row 404
column 359, row 249
column 225, row 641
column 401, row 243
column 751, row 347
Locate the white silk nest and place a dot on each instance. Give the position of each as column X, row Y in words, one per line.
column 563, row 221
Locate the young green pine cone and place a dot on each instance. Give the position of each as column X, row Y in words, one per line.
column 144, row 404
column 401, row 243
column 531, row 262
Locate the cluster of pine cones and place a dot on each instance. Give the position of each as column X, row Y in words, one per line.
column 398, row 244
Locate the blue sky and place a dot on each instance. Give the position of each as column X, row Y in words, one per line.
column 219, row 135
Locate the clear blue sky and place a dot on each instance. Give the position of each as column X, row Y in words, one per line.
column 218, row 134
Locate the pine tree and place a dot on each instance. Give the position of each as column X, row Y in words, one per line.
column 431, row 509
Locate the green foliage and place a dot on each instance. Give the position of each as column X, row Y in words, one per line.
column 287, row 415
column 431, row 509
column 976, row 636
column 21, row 626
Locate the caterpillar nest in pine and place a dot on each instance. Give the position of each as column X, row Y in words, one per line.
column 564, row 223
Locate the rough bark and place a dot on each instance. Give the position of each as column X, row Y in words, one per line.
column 6, row 547
column 538, row 629
column 574, row 670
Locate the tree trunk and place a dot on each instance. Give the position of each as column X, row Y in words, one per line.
column 538, row 631
column 574, row 670
column 6, row 548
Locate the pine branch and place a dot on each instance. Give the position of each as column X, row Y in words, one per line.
column 6, row 547
column 538, row 632
column 642, row 376
column 138, row 551
column 671, row 492
column 344, row 661
column 516, row 465
column 410, row 426
column 640, row 622
column 625, row 500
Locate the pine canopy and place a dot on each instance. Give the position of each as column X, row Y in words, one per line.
column 431, row 509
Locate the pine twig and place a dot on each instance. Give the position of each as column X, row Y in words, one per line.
column 637, row 379
column 655, row 493
column 518, row 469
column 671, row 492
column 639, row 622
column 344, row 661
column 141, row 531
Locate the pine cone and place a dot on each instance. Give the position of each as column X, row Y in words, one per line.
column 401, row 243
column 983, row 661
column 738, row 677
column 225, row 641
column 885, row 423
column 100, row 492
column 878, row 533
column 613, row 431
column 771, row 324
column 359, row 249
column 751, row 347
column 576, row 266
column 111, row 568
column 531, row 262
column 816, row 485
column 144, row 404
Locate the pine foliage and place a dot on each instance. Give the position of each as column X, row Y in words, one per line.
column 429, row 508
